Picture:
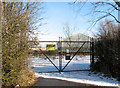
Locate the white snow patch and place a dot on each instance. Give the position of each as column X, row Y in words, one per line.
column 98, row 83
column 77, row 63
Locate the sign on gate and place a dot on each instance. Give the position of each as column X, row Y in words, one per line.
column 50, row 47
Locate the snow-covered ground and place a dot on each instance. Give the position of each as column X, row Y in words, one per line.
column 78, row 63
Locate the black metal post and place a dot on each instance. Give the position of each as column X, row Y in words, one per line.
column 92, row 52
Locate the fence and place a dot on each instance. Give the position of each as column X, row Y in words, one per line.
column 68, row 49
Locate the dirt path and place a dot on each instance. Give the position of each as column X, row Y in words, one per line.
column 57, row 82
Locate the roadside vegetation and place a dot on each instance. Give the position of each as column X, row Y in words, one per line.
column 107, row 43
column 107, row 50
column 18, row 25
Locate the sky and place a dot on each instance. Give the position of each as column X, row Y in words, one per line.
column 58, row 14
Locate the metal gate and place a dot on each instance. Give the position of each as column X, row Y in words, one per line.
column 68, row 50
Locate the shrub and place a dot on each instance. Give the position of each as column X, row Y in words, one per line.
column 16, row 33
column 107, row 50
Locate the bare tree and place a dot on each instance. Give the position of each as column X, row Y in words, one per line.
column 100, row 10
column 68, row 34
column 73, row 46
column 107, row 50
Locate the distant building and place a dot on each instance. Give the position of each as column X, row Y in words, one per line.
column 78, row 37
column 75, row 45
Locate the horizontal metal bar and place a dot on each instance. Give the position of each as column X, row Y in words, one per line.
column 58, row 52
column 77, row 70
column 63, row 41
column 64, row 71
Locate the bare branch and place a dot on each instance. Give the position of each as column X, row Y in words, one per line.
column 114, row 17
column 117, row 2
column 114, row 6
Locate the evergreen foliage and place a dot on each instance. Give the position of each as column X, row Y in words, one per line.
column 107, row 50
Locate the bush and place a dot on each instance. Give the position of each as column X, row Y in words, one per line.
column 107, row 50
column 16, row 34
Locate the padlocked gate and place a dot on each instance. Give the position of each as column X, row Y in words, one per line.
column 65, row 51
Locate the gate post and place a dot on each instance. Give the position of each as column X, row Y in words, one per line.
column 60, row 53
column 92, row 52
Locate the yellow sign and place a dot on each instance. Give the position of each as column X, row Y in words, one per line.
column 50, row 47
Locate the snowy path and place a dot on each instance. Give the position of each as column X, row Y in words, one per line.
column 78, row 63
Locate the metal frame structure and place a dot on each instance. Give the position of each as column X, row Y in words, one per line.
column 60, row 69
